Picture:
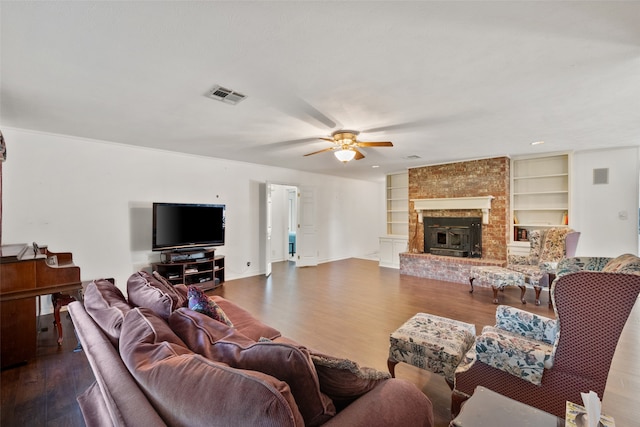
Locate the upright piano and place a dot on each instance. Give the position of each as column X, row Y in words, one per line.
column 27, row 272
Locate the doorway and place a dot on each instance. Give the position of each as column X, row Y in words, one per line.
column 289, row 218
column 283, row 223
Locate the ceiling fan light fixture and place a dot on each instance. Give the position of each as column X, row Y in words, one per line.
column 345, row 155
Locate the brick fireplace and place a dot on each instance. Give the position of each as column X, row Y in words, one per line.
column 486, row 177
column 462, row 180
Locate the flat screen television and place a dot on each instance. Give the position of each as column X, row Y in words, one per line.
column 182, row 226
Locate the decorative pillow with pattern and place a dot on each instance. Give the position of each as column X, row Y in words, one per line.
column 200, row 302
column 535, row 240
column 343, row 380
column 627, row 264
column 525, row 323
column 514, row 354
column 553, row 247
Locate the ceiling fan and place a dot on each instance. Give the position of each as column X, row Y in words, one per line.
column 345, row 145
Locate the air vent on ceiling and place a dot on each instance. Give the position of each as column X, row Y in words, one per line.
column 413, row 157
column 229, row 96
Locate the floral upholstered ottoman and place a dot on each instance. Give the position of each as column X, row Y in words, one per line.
column 498, row 278
column 430, row 342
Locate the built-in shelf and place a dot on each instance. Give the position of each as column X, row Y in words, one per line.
column 395, row 242
column 397, row 193
column 540, row 193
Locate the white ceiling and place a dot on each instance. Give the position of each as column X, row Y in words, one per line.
column 442, row 80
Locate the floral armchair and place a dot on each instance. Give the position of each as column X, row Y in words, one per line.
column 544, row 362
column 548, row 248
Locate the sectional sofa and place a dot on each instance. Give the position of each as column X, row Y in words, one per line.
column 158, row 362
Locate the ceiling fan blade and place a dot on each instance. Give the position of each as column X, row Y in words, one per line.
column 320, row 151
column 359, row 155
column 425, row 122
column 282, row 144
column 375, row 144
column 279, row 90
column 328, row 139
column 315, row 114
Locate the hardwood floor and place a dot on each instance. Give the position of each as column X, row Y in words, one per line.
column 43, row 392
column 346, row 308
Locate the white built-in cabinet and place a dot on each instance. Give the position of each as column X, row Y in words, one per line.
column 540, row 196
column 395, row 242
column 390, row 249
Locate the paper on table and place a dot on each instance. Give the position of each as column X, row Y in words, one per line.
column 576, row 416
column 592, row 405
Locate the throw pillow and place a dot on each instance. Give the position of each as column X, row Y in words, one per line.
column 282, row 361
column 188, row 389
column 191, row 325
column 200, row 302
column 106, row 304
column 144, row 290
column 180, row 299
column 627, row 264
column 553, row 247
column 344, row 380
column 535, row 240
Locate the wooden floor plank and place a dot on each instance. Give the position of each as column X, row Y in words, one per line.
column 345, row 308
column 348, row 308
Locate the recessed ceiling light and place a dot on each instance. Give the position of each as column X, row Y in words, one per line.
column 537, row 143
column 375, row 166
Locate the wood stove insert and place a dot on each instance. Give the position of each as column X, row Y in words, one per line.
column 453, row 236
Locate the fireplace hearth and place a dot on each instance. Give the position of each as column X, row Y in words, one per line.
column 453, row 236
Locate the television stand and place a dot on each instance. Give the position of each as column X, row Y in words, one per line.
column 170, row 257
column 201, row 268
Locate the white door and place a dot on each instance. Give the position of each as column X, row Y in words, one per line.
column 307, row 250
column 268, row 225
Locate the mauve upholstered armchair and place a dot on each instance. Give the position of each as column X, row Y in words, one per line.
column 591, row 310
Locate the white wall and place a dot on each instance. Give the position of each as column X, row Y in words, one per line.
column 598, row 209
column 94, row 199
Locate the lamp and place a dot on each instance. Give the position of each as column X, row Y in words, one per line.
column 345, row 154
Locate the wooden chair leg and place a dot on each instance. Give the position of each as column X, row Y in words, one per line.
column 471, row 283
column 552, row 277
column 538, row 289
column 59, row 300
column 391, row 364
column 495, row 294
column 523, row 290
column 457, row 400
